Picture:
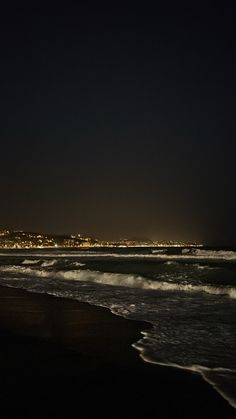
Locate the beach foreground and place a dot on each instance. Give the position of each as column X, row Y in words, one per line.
column 62, row 358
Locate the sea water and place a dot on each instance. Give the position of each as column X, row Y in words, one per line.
column 187, row 294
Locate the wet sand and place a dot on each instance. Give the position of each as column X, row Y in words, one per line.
column 62, row 358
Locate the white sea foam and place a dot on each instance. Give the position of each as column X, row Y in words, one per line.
column 121, row 280
column 217, row 377
column 49, row 263
column 204, row 267
column 30, row 261
column 223, row 381
column 186, row 250
column 210, row 254
column 78, row 264
column 171, row 262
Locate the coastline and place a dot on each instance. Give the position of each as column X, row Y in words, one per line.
column 60, row 356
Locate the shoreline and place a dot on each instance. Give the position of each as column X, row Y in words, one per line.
column 61, row 354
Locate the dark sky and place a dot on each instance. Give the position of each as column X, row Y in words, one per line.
column 119, row 121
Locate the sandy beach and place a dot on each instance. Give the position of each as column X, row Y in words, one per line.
column 62, row 358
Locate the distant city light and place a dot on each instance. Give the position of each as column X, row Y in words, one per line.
column 25, row 240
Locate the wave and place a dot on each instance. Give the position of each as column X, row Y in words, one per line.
column 30, row 261
column 198, row 266
column 77, row 264
column 204, row 267
column 191, row 254
column 49, row 262
column 210, row 254
column 46, row 263
column 87, row 254
column 186, row 250
column 171, row 262
column 122, row 280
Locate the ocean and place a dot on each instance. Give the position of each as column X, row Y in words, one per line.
column 188, row 295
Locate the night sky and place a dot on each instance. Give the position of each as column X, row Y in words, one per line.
column 119, row 121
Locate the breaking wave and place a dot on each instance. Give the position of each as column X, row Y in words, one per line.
column 49, row 262
column 209, row 254
column 30, row 262
column 122, row 280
